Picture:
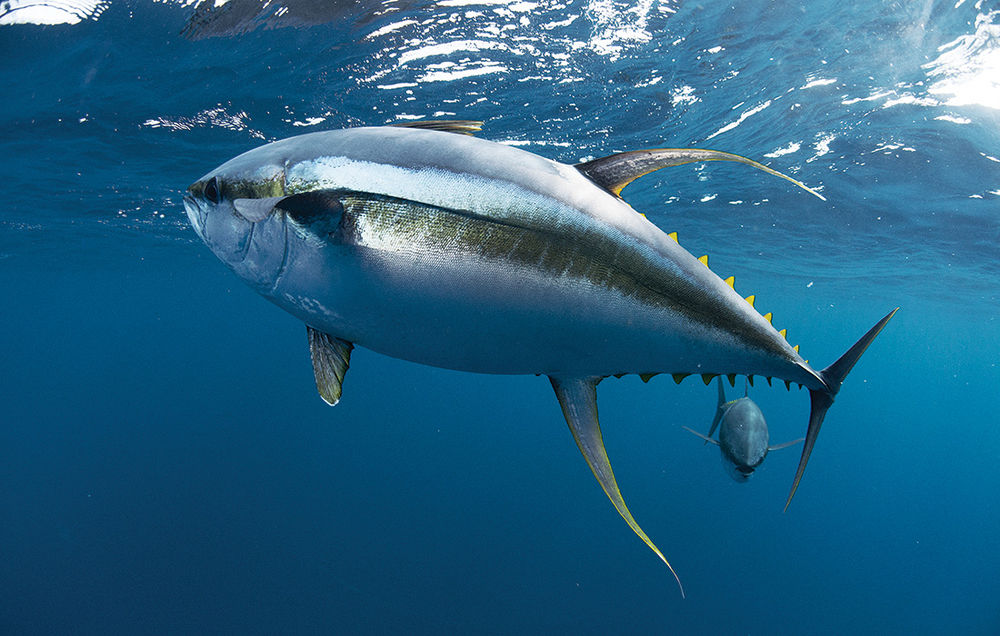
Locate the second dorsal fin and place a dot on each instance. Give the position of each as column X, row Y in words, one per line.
column 614, row 172
column 460, row 126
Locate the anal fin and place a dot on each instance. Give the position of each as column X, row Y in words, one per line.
column 330, row 359
column 578, row 399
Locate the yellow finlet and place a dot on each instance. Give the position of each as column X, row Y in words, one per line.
column 731, row 281
column 750, row 299
column 784, row 333
column 768, row 380
column 708, row 377
column 768, row 316
column 750, row 379
column 796, row 348
column 678, row 377
column 673, row 235
column 704, row 260
column 732, row 379
column 646, row 377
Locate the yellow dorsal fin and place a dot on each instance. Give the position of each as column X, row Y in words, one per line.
column 680, row 376
column 673, row 235
column 704, row 260
column 768, row 316
column 750, row 299
column 616, row 171
column 731, row 281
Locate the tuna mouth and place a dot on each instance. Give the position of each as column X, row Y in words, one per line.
column 195, row 214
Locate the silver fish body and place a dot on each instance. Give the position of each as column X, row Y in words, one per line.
column 461, row 253
column 744, row 440
column 453, row 251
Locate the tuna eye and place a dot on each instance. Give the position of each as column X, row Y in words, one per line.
column 212, row 190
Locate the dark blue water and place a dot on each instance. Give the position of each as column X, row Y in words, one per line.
column 166, row 466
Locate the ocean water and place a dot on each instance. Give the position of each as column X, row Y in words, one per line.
column 166, row 466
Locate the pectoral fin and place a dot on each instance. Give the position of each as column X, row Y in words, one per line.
column 785, row 445
column 330, row 357
column 704, row 437
column 255, row 210
column 614, row 172
column 578, row 399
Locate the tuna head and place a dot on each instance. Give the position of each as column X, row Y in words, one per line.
column 743, row 439
column 233, row 210
column 260, row 222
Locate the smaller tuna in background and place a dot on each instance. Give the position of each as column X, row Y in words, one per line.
column 743, row 437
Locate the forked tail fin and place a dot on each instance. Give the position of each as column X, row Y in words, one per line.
column 821, row 400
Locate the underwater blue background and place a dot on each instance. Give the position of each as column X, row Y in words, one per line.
column 166, row 466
